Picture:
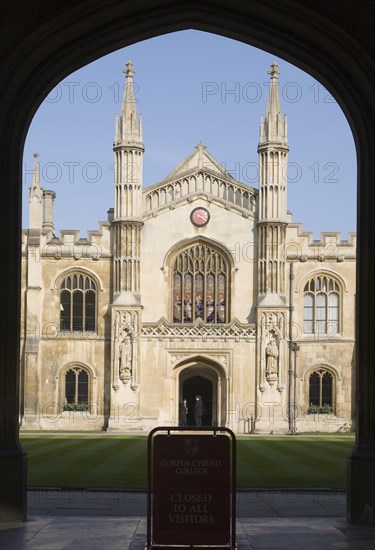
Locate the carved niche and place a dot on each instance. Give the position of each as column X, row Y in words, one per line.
column 272, row 340
column 125, row 338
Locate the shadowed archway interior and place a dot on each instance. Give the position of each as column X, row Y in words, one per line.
column 46, row 42
column 198, row 385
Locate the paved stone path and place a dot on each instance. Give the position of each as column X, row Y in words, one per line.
column 266, row 520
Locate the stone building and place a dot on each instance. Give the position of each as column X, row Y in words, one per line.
column 198, row 284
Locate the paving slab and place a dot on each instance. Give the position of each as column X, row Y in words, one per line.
column 265, row 521
column 249, row 503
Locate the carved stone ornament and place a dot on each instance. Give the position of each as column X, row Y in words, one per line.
column 272, row 338
column 225, row 331
column 124, row 335
column 177, row 357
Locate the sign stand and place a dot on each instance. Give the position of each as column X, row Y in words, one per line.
column 191, row 488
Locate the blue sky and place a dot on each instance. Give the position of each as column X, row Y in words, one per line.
column 190, row 87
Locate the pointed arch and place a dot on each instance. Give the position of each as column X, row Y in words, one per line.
column 321, row 388
column 191, row 241
column 322, row 304
column 200, row 279
column 329, row 272
column 205, row 375
column 77, row 386
column 57, row 279
column 78, row 302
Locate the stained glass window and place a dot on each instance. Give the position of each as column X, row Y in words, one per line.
column 78, row 303
column 321, row 306
column 200, row 285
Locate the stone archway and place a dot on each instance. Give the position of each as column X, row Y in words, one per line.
column 46, row 42
column 201, row 376
column 209, row 382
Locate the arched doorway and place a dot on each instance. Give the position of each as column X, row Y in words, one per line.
column 202, row 376
column 199, row 385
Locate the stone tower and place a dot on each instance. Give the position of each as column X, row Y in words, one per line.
column 126, row 237
column 272, row 224
column 127, row 222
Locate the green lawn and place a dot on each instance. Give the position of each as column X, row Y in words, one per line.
column 101, row 461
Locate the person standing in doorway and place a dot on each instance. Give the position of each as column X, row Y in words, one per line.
column 182, row 413
column 198, row 410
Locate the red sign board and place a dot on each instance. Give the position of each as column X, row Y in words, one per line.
column 191, row 489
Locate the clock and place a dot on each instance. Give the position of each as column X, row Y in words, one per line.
column 200, row 216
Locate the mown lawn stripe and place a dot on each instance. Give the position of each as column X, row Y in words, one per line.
column 104, row 461
column 87, row 465
column 296, row 464
column 110, row 461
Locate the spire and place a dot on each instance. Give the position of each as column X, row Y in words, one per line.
column 273, row 128
column 272, row 205
column 128, row 123
column 35, row 189
column 273, row 106
column 36, row 197
column 127, row 215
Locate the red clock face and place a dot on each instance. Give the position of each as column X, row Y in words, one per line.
column 200, row 216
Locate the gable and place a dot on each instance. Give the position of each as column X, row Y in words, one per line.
column 199, row 159
column 199, row 175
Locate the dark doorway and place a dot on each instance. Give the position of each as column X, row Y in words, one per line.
column 197, row 385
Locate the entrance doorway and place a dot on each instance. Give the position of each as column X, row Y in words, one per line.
column 198, row 385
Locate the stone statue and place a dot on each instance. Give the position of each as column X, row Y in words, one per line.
column 125, row 350
column 123, row 346
column 272, row 354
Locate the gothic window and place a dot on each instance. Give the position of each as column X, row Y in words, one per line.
column 77, row 387
column 321, row 389
column 200, row 285
column 78, row 303
column 321, row 305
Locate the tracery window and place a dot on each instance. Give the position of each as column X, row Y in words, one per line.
column 77, row 387
column 78, row 303
column 200, row 285
column 321, row 389
column 321, row 305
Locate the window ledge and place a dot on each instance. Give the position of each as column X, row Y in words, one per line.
column 321, row 337
column 71, row 335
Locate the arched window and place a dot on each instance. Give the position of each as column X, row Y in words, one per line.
column 78, row 303
column 76, row 388
column 200, row 285
column 321, row 305
column 321, row 390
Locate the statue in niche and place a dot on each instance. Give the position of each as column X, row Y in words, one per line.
column 272, row 355
column 125, row 351
column 124, row 347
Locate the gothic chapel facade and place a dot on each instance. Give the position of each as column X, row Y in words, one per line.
column 198, row 284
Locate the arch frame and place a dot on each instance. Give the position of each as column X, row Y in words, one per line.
column 178, row 247
column 45, row 43
column 342, row 288
column 57, row 279
column 328, row 272
column 208, row 367
column 335, row 380
column 55, row 288
column 92, row 389
column 172, row 256
column 311, row 367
